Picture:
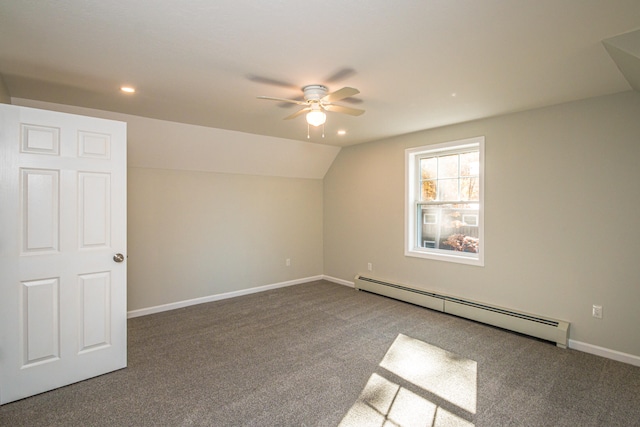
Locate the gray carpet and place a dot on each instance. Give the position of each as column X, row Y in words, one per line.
column 321, row 354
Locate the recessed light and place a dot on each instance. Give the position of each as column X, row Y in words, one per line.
column 342, row 132
column 127, row 89
column 454, row 94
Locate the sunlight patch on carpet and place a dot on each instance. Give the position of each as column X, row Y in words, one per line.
column 418, row 384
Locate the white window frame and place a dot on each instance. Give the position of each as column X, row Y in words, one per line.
column 412, row 200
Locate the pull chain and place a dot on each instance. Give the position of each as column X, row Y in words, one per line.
column 309, row 136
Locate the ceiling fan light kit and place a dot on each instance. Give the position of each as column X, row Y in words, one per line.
column 318, row 100
column 316, row 116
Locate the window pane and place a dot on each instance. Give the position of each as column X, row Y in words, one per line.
column 449, row 227
column 448, row 189
column 470, row 164
column 429, row 190
column 429, row 168
column 448, row 166
column 469, row 189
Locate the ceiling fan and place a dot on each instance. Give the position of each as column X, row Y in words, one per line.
column 317, row 100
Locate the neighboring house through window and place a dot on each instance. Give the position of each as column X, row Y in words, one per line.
column 444, row 201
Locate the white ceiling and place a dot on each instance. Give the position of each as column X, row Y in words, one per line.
column 204, row 61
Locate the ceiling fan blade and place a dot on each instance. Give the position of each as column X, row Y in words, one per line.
column 297, row 113
column 352, row 100
column 271, row 98
column 340, row 75
column 344, row 110
column 289, row 104
column 272, row 82
column 345, row 92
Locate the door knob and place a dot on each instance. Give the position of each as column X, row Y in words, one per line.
column 118, row 257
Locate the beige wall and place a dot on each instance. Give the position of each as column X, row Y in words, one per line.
column 5, row 98
column 197, row 234
column 562, row 204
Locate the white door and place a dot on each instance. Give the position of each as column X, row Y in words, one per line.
column 62, row 221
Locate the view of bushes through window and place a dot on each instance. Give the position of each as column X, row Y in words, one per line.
column 449, row 201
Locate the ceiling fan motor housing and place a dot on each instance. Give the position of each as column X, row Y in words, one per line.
column 314, row 92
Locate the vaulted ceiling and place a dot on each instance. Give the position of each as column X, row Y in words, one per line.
column 417, row 64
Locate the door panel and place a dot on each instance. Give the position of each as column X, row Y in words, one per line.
column 62, row 219
column 94, row 222
column 39, row 210
column 39, row 322
column 94, row 145
column 94, row 290
column 40, row 139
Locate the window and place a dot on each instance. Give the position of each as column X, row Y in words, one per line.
column 444, row 201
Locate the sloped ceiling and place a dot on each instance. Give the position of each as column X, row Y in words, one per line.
column 418, row 64
column 625, row 51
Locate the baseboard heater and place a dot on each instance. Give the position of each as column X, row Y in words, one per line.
column 536, row 326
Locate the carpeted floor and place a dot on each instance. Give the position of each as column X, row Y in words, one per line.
column 321, row 354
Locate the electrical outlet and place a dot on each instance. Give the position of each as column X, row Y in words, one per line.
column 596, row 311
column 288, row 262
column 369, row 266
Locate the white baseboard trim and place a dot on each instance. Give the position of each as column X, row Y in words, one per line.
column 605, row 352
column 217, row 297
column 338, row 281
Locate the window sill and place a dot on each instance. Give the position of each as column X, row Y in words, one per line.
column 459, row 259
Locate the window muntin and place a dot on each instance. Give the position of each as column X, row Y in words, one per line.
column 444, row 201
